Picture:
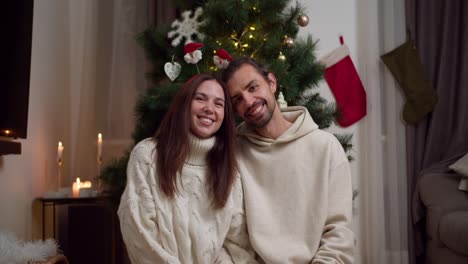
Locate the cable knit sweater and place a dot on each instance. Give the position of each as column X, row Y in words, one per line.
column 298, row 194
column 185, row 229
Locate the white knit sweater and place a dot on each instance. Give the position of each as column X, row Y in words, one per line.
column 185, row 229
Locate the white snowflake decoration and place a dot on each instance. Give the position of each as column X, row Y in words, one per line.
column 187, row 27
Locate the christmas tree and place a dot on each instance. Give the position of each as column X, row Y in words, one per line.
column 265, row 30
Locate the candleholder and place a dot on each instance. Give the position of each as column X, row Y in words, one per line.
column 59, row 173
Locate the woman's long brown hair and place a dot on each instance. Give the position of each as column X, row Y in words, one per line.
column 172, row 145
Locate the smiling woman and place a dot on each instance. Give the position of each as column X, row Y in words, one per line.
column 207, row 109
column 182, row 179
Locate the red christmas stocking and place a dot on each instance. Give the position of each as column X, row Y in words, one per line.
column 345, row 84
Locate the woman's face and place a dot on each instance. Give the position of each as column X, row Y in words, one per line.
column 207, row 109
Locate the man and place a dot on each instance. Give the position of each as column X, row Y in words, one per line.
column 296, row 177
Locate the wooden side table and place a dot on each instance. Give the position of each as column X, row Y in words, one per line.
column 46, row 202
column 92, row 230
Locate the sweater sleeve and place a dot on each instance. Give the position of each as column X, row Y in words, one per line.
column 337, row 242
column 237, row 242
column 144, row 239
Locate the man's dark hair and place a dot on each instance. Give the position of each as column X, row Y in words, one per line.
column 237, row 63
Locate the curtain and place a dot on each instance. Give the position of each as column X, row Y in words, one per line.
column 82, row 30
column 106, row 74
column 440, row 30
column 161, row 12
column 383, row 210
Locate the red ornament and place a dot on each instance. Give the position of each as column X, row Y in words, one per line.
column 223, row 54
column 192, row 46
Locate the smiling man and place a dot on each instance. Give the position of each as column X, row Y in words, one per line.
column 296, row 177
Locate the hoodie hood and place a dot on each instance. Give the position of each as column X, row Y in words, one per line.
column 302, row 125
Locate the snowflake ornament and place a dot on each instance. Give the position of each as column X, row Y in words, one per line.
column 186, row 27
column 222, row 59
column 192, row 52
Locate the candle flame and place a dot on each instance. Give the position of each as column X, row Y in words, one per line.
column 99, row 136
column 86, row 184
column 60, row 144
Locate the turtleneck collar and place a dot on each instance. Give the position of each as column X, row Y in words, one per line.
column 199, row 148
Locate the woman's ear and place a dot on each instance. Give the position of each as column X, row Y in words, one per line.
column 272, row 81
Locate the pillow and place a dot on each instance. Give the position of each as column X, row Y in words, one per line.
column 461, row 167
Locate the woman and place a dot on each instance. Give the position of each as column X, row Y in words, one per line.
column 183, row 201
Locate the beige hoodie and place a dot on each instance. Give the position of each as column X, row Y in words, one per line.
column 298, row 194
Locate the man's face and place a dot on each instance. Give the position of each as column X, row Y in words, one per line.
column 252, row 96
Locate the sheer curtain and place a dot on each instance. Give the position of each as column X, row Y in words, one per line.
column 83, row 33
column 383, row 198
column 106, row 75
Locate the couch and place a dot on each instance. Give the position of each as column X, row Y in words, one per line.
column 444, row 212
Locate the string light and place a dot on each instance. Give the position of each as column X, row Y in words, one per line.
column 7, row 132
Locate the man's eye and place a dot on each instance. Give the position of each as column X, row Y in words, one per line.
column 253, row 88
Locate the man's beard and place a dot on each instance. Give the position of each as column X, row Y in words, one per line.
column 264, row 119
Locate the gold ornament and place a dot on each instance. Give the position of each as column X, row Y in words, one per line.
column 302, row 20
column 289, row 41
column 281, row 57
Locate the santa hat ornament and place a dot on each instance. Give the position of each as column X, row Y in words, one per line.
column 192, row 53
column 222, row 59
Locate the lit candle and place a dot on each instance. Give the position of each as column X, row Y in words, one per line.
column 59, row 151
column 85, row 189
column 76, row 188
column 99, row 148
column 86, row 184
